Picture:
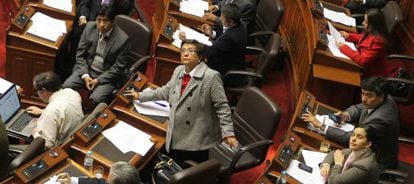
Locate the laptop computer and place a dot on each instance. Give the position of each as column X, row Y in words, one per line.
column 16, row 120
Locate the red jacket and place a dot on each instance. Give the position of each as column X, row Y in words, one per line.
column 371, row 53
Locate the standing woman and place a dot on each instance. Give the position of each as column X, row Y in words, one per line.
column 357, row 164
column 371, row 44
column 200, row 116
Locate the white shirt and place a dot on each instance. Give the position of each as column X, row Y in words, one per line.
column 60, row 117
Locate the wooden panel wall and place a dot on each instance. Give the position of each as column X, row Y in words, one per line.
column 405, row 34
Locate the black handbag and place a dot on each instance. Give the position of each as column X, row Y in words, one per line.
column 164, row 169
column 397, row 88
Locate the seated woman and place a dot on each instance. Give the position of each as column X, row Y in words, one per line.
column 371, row 44
column 357, row 164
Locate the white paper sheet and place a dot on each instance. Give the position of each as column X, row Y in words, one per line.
column 65, row 5
column 344, row 126
column 5, row 85
column 335, row 33
column 194, row 7
column 339, row 17
column 47, row 27
column 303, row 176
column 190, row 34
column 153, row 108
column 313, row 158
column 127, row 138
column 334, row 48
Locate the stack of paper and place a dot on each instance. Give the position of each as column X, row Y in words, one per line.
column 325, row 119
column 5, row 85
column 339, row 17
column 190, row 34
column 65, row 5
column 153, row 108
column 127, row 138
column 47, row 27
column 194, row 7
column 304, row 176
column 334, row 48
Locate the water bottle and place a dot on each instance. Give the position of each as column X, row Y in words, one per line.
column 282, row 179
column 88, row 161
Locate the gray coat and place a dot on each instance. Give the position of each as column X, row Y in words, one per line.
column 362, row 170
column 201, row 117
column 384, row 120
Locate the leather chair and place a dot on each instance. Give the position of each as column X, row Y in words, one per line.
column 140, row 39
column 255, row 120
column 402, row 91
column 269, row 15
column 202, row 173
column 392, row 14
column 255, row 77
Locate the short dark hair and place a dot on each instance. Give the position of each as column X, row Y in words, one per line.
column 47, row 80
column 378, row 85
column 107, row 12
column 124, row 173
column 371, row 135
column 200, row 48
column 231, row 11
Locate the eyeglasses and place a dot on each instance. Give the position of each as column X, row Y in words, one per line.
column 191, row 51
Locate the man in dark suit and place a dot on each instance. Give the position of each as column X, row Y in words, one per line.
column 4, row 150
column 120, row 173
column 360, row 6
column 229, row 41
column 101, row 58
column 247, row 10
column 377, row 110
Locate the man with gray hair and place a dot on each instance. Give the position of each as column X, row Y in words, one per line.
column 120, row 173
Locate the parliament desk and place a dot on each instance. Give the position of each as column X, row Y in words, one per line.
column 298, row 137
column 28, row 54
column 55, row 12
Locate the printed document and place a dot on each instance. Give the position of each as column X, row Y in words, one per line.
column 65, row 5
column 47, row 27
column 190, row 34
column 153, row 108
column 339, row 17
column 304, row 176
column 334, row 48
column 194, row 7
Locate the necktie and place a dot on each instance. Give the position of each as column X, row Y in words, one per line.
column 186, row 79
column 348, row 161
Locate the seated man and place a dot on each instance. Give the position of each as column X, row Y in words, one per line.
column 62, row 113
column 101, row 58
column 378, row 111
column 4, row 150
column 247, row 10
column 360, row 6
column 120, row 173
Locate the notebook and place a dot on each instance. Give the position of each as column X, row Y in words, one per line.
column 16, row 120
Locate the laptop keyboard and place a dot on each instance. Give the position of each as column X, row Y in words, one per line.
column 21, row 122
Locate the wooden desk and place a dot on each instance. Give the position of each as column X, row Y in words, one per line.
column 58, row 13
column 28, row 55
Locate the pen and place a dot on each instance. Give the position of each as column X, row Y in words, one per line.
column 160, row 104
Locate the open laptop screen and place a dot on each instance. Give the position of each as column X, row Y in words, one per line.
column 9, row 104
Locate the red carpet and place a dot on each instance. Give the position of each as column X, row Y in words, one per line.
column 4, row 23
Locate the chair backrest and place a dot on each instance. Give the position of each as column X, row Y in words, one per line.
column 203, row 173
column 4, row 150
column 269, row 56
column 140, row 36
column 258, row 123
column 34, row 149
column 392, row 15
column 269, row 15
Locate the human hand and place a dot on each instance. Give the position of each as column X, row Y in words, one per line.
column 207, row 29
column 63, row 178
column 182, row 36
column 339, row 157
column 82, row 21
column 232, row 141
column 93, row 83
column 131, row 94
column 212, row 8
column 340, row 44
column 33, row 110
column 344, row 116
column 325, row 170
column 209, row 16
column 344, row 34
column 310, row 118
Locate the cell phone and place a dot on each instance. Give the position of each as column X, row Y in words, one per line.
column 335, row 118
column 305, row 167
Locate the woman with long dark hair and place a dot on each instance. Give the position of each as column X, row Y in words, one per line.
column 371, row 44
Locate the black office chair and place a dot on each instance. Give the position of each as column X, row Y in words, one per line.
column 254, row 76
column 269, row 15
column 402, row 90
column 202, row 173
column 140, row 38
column 255, row 120
column 390, row 176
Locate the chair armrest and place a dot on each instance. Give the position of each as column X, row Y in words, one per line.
column 137, row 63
column 392, row 176
column 35, row 148
column 17, row 148
column 357, row 15
column 400, row 80
column 188, row 163
column 252, row 50
column 400, row 56
column 246, row 148
column 245, row 73
column 261, row 33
